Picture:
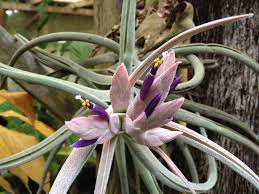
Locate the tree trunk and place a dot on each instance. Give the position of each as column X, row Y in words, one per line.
column 233, row 87
column 107, row 14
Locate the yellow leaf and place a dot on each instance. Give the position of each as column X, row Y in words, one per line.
column 4, row 183
column 22, row 176
column 23, row 101
column 11, row 113
column 12, row 142
column 2, row 99
column 38, row 125
column 43, row 128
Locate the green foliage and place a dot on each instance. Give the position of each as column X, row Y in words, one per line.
column 16, row 124
column 7, row 105
column 79, row 51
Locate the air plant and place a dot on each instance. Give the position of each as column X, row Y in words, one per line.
column 142, row 122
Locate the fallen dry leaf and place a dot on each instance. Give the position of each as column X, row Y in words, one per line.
column 12, row 142
column 22, row 100
column 6, row 186
column 38, row 125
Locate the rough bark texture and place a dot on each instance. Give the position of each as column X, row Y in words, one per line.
column 107, row 14
column 233, row 87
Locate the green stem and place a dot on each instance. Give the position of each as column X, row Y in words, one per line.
column 120, row 156
column 199, row 73
column 200, row 121
column 55, row 83
column 65, row 36
column 146, row 64
column 107, row 58
column 218, row 115
column 189, row 160
column 200, row 48
column 149, row 160
column 127, row 33
column 148, row 179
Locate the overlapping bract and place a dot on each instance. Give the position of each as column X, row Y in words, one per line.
column 143, row 117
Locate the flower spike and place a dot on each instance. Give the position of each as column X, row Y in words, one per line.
column 148, row 81
column 94, row 107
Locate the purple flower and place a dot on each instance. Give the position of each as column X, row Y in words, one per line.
column 143, row 118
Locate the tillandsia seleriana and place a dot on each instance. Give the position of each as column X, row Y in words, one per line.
column 134, row 118
column 141, row 119
column 133, row 123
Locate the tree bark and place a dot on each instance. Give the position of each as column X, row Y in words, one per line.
column 106, row 15
column 233, row 87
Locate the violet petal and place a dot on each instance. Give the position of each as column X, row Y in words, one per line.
column 83, row 143
column 148, row 81
column 99, row 111
column 175, row 83
column 152, row 105
column 153, row 70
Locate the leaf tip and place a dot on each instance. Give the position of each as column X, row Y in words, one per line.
column 250, row 15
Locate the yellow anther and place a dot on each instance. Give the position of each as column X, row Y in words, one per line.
column 157, row 62
column 84, row 102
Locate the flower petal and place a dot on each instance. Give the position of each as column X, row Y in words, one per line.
column 128, row 125
column 169, row 60
column 120, row 90
column 114, row 124
column 152, row 105
column 163, row 113
column 105, row 137
column 88, row 127
column 99, row 111
column 141, row 122
column 174, row 84
column 83, row 143
column 136, row 107
column 161, row 83
column 159, row 136
column 149, row 79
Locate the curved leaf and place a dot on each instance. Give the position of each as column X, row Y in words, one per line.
column 105, row 166
column 218, row 152
column 179, row 38
column 70, row 169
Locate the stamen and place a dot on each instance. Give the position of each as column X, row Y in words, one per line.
column 95, row 108
column 157, row 62
column 85, row 102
